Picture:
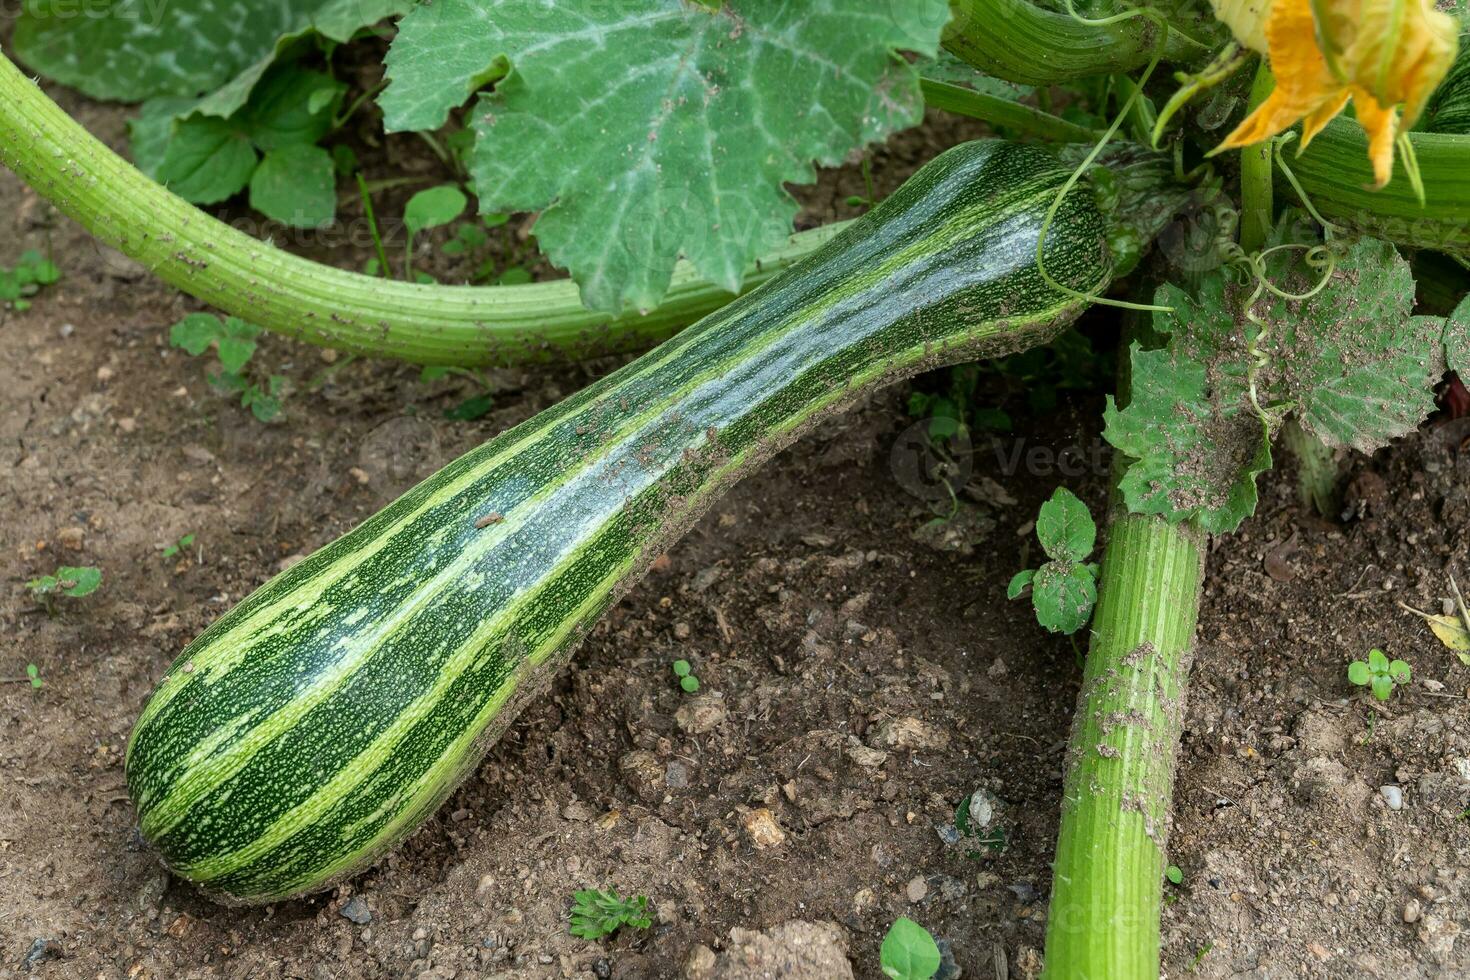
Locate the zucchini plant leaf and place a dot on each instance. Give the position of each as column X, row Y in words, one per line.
column 206, row 161
column 296, row 185
column 1359, row 366
column 1457, row 340
column 1350, row 361
column 130, row 50
column 1063, row 593
column 674, row 125
column 1197, row 444
column 1065, row 528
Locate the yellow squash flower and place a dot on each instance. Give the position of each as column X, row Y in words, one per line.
column 1387, row 56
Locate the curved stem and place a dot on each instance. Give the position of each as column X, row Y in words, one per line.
column 1020, row 42
column 223, row 266
column 1003, row 112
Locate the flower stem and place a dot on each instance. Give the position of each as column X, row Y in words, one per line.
column 223, row 266
column 1257, row 203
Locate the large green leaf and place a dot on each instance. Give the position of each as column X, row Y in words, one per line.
column 647, row 129
column 137, row 49
column 1350, row 361
column 1189, row 425
column 1358, row 366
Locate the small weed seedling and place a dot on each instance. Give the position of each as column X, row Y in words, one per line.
column 67, row 580
column 598, row 913
column 429, row 209
column 32, row 677
column 909, row 952
column 1063, row 590
column 1199, row 957
column 31, row 273
column 1378, row 673
column 991, row 839
column 1175, row 877
column 685, row 675
column 234, row 340
column 178, row 546
column 477, row 406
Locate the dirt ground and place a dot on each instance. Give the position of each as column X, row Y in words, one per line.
column 861, row 676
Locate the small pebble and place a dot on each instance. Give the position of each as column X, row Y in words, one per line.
column 948, row 968
column 356, row 910
column 762, row 829
column 1393, row 796
column 41, row 949
column 1412, row 910
column 917, row 890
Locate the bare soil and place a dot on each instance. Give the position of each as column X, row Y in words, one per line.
column 862, row 674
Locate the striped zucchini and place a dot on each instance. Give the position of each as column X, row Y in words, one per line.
column 320, row 720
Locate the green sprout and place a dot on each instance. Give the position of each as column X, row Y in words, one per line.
column 597, row 913
column 1378, row 673
column 477, row 406
column 909, row 952
column 180, row 545
column 687, row 681
column 33, row 674
column 1063, row 590
column 1175, row 876
column 234, row 342
column 68, row 580
column 31, row 273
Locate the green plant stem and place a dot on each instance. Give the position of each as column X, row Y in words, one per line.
column 372, row 219
column 1003, row 112
column 1107, row 883
column 1108, row 875
column 424, row 324
column 1021, row 42
column 1317, row 469
column 1257, row 195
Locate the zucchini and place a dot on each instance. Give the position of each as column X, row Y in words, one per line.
column 323, row 718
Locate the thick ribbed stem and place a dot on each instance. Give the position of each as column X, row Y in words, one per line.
column 1336, row 174
column 1021, row 42
column 1108, row 874
column 425, row 324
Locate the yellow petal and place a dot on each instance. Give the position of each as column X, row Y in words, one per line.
column 1382, row 126
column 1388, row 56
column 1246, row 20
column 1321, row 116
column 1305, row 85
